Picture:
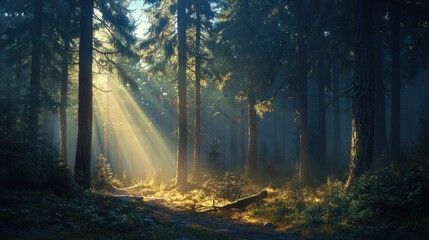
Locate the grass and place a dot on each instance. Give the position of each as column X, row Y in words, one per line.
column 382, row 203
column 383, row 200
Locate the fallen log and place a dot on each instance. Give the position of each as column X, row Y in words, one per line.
column 241, row 203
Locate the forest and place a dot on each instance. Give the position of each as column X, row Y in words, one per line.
column 214, row 119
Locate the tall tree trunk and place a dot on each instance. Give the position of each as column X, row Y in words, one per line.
column 82, row 168
column 64, row 92
column 106, row 127
column 275, row 143
column 302, row 98
column 233, row 142
column 35, row 75
column 380, row 139
column 197, row 139
column 181, row 171
column 321, row 84
column 395, row 135
column 243, row 136
column 363, row 93
column 252, row 151
column 337, row 153
column 118, row 157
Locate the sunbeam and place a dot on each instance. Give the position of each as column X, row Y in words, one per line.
column 125, row 134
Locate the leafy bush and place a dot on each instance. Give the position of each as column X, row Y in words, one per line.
column 103, row 177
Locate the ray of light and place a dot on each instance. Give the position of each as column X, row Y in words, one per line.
column 136, row 147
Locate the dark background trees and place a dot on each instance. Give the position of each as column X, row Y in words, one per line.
column 284, row 86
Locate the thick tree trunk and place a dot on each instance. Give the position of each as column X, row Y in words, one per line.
column 181, row 171
column 197, row 139
column 35, row 75
column 363, row 93
column 252, row 151
column 82, row 169
column 63, row 93
column 321, row 84
column 380, row 139
column 395, row 135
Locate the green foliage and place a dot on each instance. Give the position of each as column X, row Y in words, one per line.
column 228, row 187
column 84, row 216
column 381, row 198
column 103, row 177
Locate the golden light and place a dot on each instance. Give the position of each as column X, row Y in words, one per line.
column 126, row 134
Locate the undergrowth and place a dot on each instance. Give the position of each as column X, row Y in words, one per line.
column 384, row 199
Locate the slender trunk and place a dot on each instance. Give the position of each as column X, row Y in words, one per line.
column 321, row 84
column 252, row 151
column 363, row 93
column 337, row 126
column 303, row 106
column 35, row 75
column 63, row 93
column 379, row 105
column 82, row 169
column 181, row 171
column 233, row 142
column 106, row 127
column 197, row 139
column 275, row 142
column 243, row 136
column 395, row 136
column 118, row 157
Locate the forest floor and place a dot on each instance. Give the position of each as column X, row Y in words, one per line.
column 381, row 205
column 221, row 226
column 119, row 215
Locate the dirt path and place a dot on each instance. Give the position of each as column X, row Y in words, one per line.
column 179, row 216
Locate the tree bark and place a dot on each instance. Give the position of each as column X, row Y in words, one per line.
column 233, row 142
column 303, row 101
column 363, row 93
column 337, row 153
column 106, row 127
column 35, row 75
column 197, row 139
column 395, row 135
column 82, row 169
column 64, row 92
column 380, row 138
column 321, row 84
column 181, row 171
column 243, row 137
column 252, row 151
column 244, row 202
